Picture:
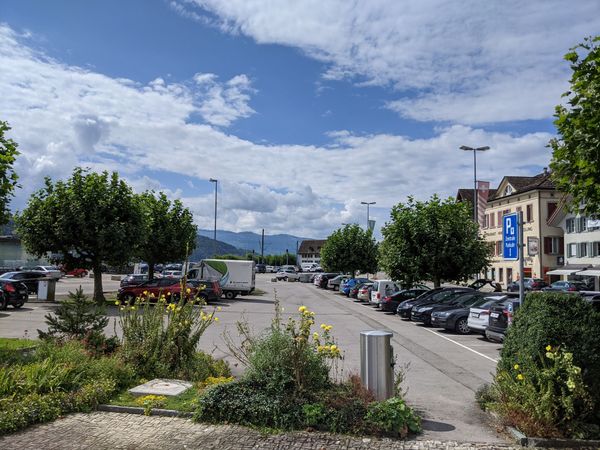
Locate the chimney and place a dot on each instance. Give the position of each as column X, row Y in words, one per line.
column 546, row 171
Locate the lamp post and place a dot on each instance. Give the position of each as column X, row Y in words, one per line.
column 474, row 150
column 368, row 204
column 213, row 180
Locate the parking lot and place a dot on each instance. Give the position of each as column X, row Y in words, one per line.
column 443, row 370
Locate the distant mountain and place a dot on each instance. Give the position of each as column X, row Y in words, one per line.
column 275, row 244
column 205, row 249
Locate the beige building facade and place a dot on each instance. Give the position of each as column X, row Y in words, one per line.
column 537, row 198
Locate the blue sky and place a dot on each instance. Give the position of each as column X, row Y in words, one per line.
column 302, row 109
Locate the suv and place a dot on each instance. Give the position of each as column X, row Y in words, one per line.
column 501, row 317
column 170, row 287
column 28, row 278
column 212, row 291
column 12, row 293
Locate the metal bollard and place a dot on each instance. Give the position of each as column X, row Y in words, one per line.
column 377, row 363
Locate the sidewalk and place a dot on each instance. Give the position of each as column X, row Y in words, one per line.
column 100, row 430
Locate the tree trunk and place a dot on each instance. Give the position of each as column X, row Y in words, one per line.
column 437, row 282
column 151, row 271
column 98, row 291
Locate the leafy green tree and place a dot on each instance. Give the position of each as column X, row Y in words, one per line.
column 434, row 240
column 90, row 219
column 350, row 249
column 170, row 231
column 8, row 177
column 576, row 151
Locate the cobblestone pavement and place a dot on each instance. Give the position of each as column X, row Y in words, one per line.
column 101, row 430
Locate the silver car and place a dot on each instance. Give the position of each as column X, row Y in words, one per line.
column 49, row 271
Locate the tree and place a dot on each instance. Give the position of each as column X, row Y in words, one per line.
column 90, row 219
column 170, row 231
column 350, row 249
column 8, row 177
column 576, row 151
column 434, row 240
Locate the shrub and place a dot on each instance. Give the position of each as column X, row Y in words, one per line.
column 393, row 417
column 557, row 320
column 160, row 340
column 148, row 402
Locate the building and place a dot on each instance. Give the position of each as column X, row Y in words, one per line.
column 582, row 247
column 13, row 254
column 538, row 199
column 309, row 251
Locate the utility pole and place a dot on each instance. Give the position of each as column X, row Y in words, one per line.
column 262, row 247
column 475, row 150
column 521, row 260
column 213, row 180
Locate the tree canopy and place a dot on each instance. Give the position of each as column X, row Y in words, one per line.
column 350, row 249
column 170, row 231
column 90, row 219
column 576, row 151
column 8, row 177
column 432, row 241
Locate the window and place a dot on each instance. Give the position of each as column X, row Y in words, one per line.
column 582, row 250
column 500, row 274
column 486, row 221
column 553, row 245
column 571, row 250
column 529, row 213
column 494, row 274
column 492, row 221
column 570, row 225
column 509, row 275
column 551, row 209
column 498, row 248
column 581, row 224
column 595, row 249
column 500, row 218
column 508, row 190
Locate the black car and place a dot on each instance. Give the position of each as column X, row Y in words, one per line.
column 12, row 293
column 405, row 308
column 261, row 268
column 391, row 303
column 29, row 278
column 456, row 315
column 530, row 284
column 325, row 279
column 501, row 317
column 422, row 313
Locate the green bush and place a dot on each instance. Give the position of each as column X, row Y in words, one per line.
column 393, row 417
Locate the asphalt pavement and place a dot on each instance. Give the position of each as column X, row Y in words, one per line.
column 443, row 370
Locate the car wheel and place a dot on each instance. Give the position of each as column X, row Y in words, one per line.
column 3, row 303
column 284, row 279
column 229, row 295
column 129, row 299
column 203, row 298
column 462, row 326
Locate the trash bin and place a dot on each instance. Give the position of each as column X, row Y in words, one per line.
column 46, row 289
column 377, row 363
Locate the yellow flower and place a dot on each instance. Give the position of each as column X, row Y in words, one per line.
column 323, row 326
column 316, row 335
column 516, row 367
column 520, row 377
column 151, row 294
column 145, row 292
column 549, row 355
column 188, row 290
column 333, row 348
column 133, row 308
column 329, row 327
column 312, row 313
column 218, row 308
column 548, row 347
column 117, row 303
column 216, row 319
column 302, row 309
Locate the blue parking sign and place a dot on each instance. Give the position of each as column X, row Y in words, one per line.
column 510, row 237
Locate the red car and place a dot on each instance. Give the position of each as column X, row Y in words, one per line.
column 78, row 273
column 170, row 287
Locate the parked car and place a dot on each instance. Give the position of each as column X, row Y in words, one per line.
column 134, row 279
column 501, row 317
column 12, row 293
column 391, row 302
column 455, row 316
column 346, row 285
column 484, row 285
column 211, row 291
column 357, row 287
column 170, row 287
column 28, row 278
column 269, row 269
column 49, row 271
column 287, row 274
column 77, row 272
column 260, row 268
column 364, row 293
column 479, row 315
column 530, row 284
column 566, row 286
column 381, row 289
column 172, row 274
column 422, row 312
column 335, row 282
column 324, row 278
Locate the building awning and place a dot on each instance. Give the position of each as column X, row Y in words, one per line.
column 589, row 273
column 562, row 271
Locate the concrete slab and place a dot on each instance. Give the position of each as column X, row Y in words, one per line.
column 161, row 386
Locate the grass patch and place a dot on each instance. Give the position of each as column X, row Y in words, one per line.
column 16, row 344
column 185, row 402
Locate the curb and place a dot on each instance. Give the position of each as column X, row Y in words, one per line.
column 140, row 411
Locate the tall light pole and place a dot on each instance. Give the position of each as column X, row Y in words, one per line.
column 368, row 204
column 213, row 180
column 474, row 150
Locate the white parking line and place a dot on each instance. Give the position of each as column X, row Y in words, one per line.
column 461, row 345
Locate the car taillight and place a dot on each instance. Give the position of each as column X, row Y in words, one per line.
column 378, row 296
column 509, row 316
column 387, row 299
column 484, row 312
column 571, row 289
column 9, row 287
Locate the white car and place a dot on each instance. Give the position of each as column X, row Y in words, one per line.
column 172, row 274
column 382, row 289
column 270, row 269
column 287, row 274
column 49, row 271
column 479, row 317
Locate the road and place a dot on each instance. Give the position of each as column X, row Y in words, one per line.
column 443, row 370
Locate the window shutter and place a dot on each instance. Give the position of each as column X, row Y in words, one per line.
column 561, row 246
column 551, row 209
column 547, row 245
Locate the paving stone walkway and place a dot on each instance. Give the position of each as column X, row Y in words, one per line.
column 103, row 430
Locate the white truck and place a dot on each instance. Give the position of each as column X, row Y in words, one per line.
column 236, row 277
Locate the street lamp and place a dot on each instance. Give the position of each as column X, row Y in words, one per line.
column 368, row 204
column 474, row 150
column 213, row 180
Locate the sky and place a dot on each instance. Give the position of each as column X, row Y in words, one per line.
column 301, row 110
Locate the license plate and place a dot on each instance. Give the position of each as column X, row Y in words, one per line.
column 495, row 315
column 474, row 314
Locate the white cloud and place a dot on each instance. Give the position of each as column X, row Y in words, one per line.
column 63, row 116
column 467, row 61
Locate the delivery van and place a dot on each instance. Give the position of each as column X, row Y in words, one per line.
column 236, row 277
